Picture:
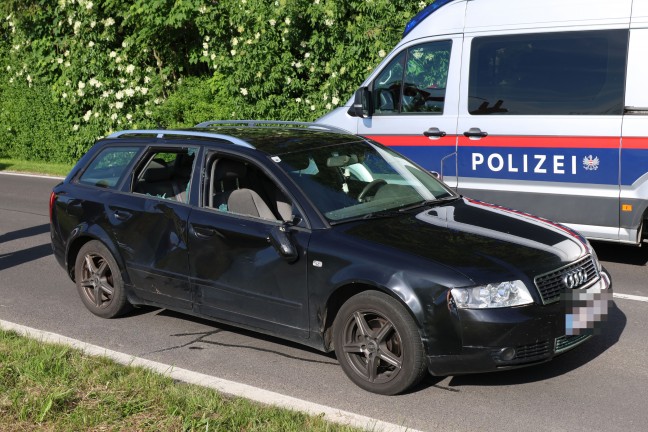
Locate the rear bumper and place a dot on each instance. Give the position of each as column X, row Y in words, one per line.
column 510, row 338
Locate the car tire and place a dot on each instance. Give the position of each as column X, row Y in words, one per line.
column 99, row 281
column 378, row 344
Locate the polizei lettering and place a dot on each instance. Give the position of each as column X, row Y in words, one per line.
column 526, row 163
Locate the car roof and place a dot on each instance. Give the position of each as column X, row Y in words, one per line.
column 274, row 138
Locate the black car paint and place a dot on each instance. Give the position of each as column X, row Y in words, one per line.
column 416, row 257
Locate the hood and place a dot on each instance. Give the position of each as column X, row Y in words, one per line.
column 485, row 242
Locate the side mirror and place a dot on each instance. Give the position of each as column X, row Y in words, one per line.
column 362, row 104
column 279, row 238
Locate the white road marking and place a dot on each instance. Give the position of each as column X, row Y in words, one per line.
column 12, row 173
column 223, row 386
column 631, row 297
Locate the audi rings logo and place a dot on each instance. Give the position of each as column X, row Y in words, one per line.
column 575, row 278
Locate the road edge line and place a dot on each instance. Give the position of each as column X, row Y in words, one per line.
column 224, row 386
column 42, row 176
column 631, row 297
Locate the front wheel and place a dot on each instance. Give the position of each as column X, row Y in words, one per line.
column 99, row 281
column 378, row 344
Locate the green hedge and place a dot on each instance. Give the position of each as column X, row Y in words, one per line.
column 75, row 70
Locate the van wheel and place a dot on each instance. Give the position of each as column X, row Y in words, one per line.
column 378, row 344
column 99, row 281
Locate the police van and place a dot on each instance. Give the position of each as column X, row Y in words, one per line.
column 541, row 106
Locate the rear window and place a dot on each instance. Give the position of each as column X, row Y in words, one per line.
column 108, row 167
column 561, row 73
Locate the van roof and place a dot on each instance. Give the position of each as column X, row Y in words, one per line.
column 474, row 16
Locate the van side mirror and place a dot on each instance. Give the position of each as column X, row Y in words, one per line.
column 362, row 104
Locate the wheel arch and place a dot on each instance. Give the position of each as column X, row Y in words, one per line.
column 347, row 290
column 83, row 235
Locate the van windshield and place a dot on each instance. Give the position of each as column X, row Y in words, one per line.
column 360, row 180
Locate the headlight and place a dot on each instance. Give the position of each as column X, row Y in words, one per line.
column 494, row 295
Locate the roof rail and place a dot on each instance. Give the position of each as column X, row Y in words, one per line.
column 162, row 133
column 266, row 123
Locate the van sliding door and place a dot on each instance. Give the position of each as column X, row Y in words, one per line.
column 634, row 147
column 540, row 124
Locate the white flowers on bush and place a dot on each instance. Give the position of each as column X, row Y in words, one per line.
column 119, row 105
column 87, row 115
column 244, row 91
column 382, row 53
column 130, row 69
column 272, row 22
column 109, row 22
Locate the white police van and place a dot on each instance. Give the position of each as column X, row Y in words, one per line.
column 541, row 106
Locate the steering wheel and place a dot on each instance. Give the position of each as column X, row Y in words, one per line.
column 370, row 186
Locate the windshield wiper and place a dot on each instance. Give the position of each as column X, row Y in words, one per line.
column 372, row 215
column 425, row 203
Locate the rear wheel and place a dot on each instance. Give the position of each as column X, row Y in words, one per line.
column 99, row 281
column 378, row 344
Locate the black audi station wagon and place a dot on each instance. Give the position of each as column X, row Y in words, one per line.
column 323, row 238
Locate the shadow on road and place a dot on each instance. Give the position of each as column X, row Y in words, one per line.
column 560, row 365
column 24, row 233
column 203, row 339
column 622, row 254
column 23, row 256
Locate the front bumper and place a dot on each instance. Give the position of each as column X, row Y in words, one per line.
column 508, row 338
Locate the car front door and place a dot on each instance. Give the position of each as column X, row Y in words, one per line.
column 415, row 99
column 237, row 274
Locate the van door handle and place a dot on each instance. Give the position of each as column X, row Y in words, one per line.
column 434, row 132
column 475, row 133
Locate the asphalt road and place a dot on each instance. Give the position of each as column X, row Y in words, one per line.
column 602, row 386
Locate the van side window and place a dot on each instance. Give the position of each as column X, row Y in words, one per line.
column 107, row 168
column 566, row 73
column 414, row 81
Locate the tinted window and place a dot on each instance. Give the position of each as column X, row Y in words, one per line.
column 414, row 81
column 108, row 167
column 548, row 73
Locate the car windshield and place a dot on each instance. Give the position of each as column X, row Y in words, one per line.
column 360, row 180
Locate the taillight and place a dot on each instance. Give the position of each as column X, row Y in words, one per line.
column 51, row 205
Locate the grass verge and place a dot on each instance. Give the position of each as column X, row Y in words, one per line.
column 54, row 169
column 56, row 388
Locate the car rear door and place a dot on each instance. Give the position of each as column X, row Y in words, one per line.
column 149, row 223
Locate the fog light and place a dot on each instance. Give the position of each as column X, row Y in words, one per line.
column 507, row 354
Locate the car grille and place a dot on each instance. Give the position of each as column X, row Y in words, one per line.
column 550, row 285
column 533, row 351
column 565, row 343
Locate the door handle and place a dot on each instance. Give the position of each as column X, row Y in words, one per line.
column 434, row 132
column 203, row 232
column 122, row 215
column 475, row 133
